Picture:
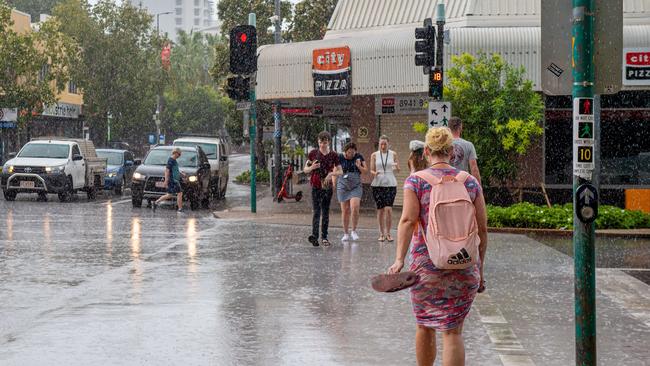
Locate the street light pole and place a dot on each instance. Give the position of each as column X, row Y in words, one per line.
column 157, row 116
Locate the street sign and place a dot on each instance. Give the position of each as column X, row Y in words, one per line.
column 636, row 70
column 152, row 139
column 583, row 137
column 556, row 46
column 243, row 105
column 8, row 114
column 161, row 139
column 439, row 114
column 587, row 203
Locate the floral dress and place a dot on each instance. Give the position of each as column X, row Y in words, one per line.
column 441, row 298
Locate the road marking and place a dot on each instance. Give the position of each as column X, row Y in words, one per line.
column 116, row 203
column 626, row 291
column 504, row 341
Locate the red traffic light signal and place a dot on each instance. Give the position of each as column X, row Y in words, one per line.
column 243, row 50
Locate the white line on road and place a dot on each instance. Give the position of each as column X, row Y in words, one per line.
column 504, row 340
column 626, row 291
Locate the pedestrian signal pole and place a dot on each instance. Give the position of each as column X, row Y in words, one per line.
column 585, row 179
column 253, row 122
column 241, row 86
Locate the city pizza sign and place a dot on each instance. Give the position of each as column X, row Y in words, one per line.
column 636, row 66
column 331, row 71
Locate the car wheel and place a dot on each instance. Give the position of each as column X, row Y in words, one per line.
column 42, row 197
column 119, row 188
column 205, row 202
column 214, row 189
column 66, row 195
column 222, row 193
column 194, row 203
column 92, row 193
column 9, row 195
column 136, row 201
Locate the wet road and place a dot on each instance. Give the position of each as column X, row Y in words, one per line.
column 101, row 283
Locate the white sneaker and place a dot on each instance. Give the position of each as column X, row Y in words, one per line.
column 354, row 235
column 345, row 237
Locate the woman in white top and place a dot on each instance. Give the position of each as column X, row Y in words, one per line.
column 384, row 186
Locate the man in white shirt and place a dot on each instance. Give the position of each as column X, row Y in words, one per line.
column 464, row 156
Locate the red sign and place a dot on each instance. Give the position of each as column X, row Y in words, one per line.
column 331, row 59
column 637, row 58
column 385, row 102
column 297, row 111
column 165, row 56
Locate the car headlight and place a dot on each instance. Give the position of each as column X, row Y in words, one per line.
column 10, row 169
column 54, row 169
column 192, row 178
column 138, row 176
column 113, row 174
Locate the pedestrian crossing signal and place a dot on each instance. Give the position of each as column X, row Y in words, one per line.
column 586, row 106
column 436, row 83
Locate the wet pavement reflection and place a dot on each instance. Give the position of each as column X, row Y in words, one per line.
column 101, row 283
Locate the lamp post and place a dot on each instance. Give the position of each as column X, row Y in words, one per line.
column 157, row 115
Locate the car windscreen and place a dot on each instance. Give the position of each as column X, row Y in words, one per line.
column 52, row 151
column 160, row 157
column 114, row 157
column 209, row 149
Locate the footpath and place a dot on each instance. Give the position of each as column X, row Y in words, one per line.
column 525, row 318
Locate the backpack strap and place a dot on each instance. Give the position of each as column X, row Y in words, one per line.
column 428, row 177
column 462, row 176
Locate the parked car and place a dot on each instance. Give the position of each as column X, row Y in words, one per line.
column 148, row 179
column 119, row 169
column 62, row 166
column 217, row 150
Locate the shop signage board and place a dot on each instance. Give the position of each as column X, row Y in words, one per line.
column 439, row 114
column 63, row 110
column 583, row 137
column 8, row 115
column 331, row 71
column 401, row 105
column 636, row 66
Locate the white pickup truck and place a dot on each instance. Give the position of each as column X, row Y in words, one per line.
column 61, row 166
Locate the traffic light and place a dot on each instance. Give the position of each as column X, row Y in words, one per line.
column 238, row 88
column 436, row 83
column 243, row 50
column 425, row 45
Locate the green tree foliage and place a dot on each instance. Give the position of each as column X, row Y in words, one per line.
column 119, row 68
column 193, row 55
column 34, row 7
column 310, row 19
column 34, row 66
column 500, row 111
column 196, row 110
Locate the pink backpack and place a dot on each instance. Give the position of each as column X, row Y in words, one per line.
column 452, row 232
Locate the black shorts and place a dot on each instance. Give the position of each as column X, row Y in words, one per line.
column 384, row 196
column 173, row 187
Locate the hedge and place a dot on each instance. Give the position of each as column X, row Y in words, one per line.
column 527, row 215
column 261, row 176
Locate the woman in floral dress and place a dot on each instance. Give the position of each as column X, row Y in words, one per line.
column 441, row 298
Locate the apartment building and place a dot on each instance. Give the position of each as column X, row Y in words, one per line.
column 174, row 15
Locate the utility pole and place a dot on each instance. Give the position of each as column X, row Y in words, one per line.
column 585, row 194
column 157, row 120
column 277, row 114
column 251, row 129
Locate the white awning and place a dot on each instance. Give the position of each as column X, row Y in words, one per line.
column 383, row 59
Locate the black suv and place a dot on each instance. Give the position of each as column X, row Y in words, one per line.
column 149, row 177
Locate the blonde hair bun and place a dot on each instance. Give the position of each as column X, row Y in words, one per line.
column 439, row 140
